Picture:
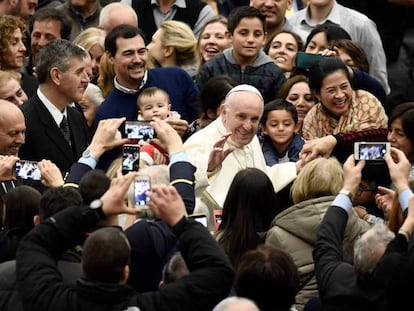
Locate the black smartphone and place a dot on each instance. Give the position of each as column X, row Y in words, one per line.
column 371, row 151
column 142, row 184
column 139, row 130
column 130, row 158
column 306, row 60
column 28, row 170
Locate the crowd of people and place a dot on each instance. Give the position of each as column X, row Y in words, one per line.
column 204, row 155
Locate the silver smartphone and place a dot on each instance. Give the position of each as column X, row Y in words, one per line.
column 371, row 151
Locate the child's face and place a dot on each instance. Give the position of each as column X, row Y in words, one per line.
column 248, row 39
column 154, row 106
column 280, row 127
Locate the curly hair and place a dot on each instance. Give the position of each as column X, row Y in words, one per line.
column 8, row 24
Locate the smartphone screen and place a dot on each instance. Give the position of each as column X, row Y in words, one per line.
column 217, row 218
column 371, row 151
column 142, row 184
column 130, row 158
column 139, row 130
column 306, row 60
column 27, row 170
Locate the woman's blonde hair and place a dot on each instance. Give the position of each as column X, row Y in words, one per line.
column 180, row 36
column 106, row 75
column 91, row 36
column 320, row 177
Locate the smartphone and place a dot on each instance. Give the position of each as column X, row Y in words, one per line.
column 28, row 170
column 371, row 151
column 130, row 158
column 306, row 60
column 201, row 218
column 139, row 130
column 142, row 184
column 217, row 218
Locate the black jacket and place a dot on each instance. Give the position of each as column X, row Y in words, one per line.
column 41, row 287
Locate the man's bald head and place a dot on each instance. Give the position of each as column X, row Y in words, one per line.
column 116, row 13
column 12, row 128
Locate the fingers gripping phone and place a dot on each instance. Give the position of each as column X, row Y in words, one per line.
column 142, row 184
column 130, row 158
column 371, row 151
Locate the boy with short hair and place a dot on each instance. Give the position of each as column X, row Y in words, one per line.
column 245, row 62
column 154, row 102
column 281, row 143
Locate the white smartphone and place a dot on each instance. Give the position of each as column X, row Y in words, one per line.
column 142, row 184
column 371, row 151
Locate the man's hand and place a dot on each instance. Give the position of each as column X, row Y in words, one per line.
column 318, row 147
column 399, row 168
column 167, row 135
column 384, row 198
column 7, row 167
column 352, row 174
column 167, row 204
column 51, row 175
column 105, row 136
column 114, row 198
column 218, row 154
column 180, row 125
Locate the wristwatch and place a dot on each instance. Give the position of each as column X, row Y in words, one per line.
column 348, row 194
column 88, row 154
column 96, row 205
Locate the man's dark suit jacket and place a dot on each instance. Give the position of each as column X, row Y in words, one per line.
column 44, row 139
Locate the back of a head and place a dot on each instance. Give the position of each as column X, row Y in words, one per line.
column 89, row 37
column 21, row 204
column 249, row 208
column 213, row 92
column 236, row 304
column 174, row 269
column 56, row 199
column 318, row 178
column 105, row 254
column 370, row 247
column 93, row 185
column 269, row 277
column 251, row 196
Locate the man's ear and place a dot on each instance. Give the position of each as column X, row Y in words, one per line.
column 125, row 275
column 36, row 220
column 110, row 57
column 55, row 75
column 222, row 109
column 14, row 3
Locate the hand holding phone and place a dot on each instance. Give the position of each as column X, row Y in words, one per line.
column 306, row 60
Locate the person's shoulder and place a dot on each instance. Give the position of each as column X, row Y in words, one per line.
column 353, row 17
column 297, row 17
